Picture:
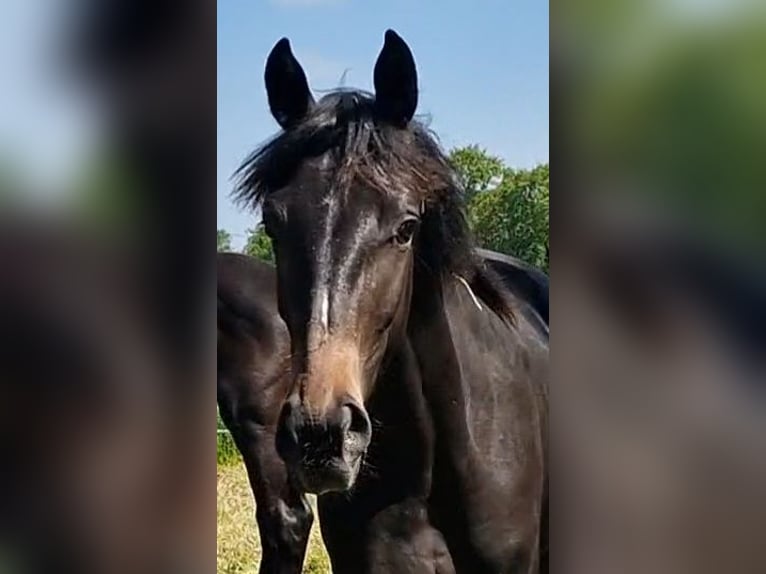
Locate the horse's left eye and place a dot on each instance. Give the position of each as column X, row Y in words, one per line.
column 406, row 231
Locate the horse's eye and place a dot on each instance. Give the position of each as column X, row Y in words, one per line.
column 272, row 217
column 406, row 231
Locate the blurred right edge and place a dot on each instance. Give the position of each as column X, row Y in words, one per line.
column 659, row 298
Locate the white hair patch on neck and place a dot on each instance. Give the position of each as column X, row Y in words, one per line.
column 470, row 291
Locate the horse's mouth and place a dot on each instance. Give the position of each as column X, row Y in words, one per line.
column 335, row 475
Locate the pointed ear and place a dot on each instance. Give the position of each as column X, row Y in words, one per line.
column 396, row 82
column 286, row 85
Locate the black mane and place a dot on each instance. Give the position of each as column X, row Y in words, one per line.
column 390, row 160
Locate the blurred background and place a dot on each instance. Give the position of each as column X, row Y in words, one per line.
column 659, row 309
column 107, row 166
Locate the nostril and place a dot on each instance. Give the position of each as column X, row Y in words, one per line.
column 346, row 416
column 355, row 419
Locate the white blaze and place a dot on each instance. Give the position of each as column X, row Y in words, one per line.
column 324, row 308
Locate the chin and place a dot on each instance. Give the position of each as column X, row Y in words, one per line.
column 336, row 476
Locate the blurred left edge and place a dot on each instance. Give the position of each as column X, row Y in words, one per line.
column 107, row 455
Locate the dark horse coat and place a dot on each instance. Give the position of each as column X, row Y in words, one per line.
column 253, row 382
column 416, row 403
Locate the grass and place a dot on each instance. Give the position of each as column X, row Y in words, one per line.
column 239, row 550
column 227, row 453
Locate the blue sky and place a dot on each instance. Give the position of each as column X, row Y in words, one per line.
column 482, row 65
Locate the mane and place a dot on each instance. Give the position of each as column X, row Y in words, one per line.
column 389, row 160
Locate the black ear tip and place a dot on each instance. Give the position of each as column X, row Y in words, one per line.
column 282, row 46
column 280, row 53
column 281, row 49
column 392, row 37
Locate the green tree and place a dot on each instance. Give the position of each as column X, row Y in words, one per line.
column 513, row 218
column 507, row 208
column 477, row 170
column 224, row 240
column 259, row 244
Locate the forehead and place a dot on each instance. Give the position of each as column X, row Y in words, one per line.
column 324, row 182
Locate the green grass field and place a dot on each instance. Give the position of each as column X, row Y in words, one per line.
column 239, row 551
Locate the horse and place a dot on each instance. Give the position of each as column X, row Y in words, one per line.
column 253, row 381
column 525, row 281
column 417, row 408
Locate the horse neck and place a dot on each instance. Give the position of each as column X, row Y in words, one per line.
column 419, row 394
column 430, row 338
column 402, row 430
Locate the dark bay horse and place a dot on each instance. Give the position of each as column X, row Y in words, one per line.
column 253, row 381
column 417, row 407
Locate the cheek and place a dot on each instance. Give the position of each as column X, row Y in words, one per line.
column 385, row 290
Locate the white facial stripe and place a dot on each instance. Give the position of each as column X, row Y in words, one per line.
column 324, row 308
column 321, row 304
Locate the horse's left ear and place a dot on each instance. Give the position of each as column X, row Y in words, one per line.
column 396, row 82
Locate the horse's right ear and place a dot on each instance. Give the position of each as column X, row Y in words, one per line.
column 286, row 85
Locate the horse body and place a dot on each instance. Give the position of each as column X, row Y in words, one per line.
column 253, row 382
column 453, row 439
column 523, row 280
column 489, row 411
column 416, row 402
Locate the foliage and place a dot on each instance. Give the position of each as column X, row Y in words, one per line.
column 226, row 451
column 477, row 170
column 507, row 208
column 513, row 217
column 259, row 244
column 224, row 240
